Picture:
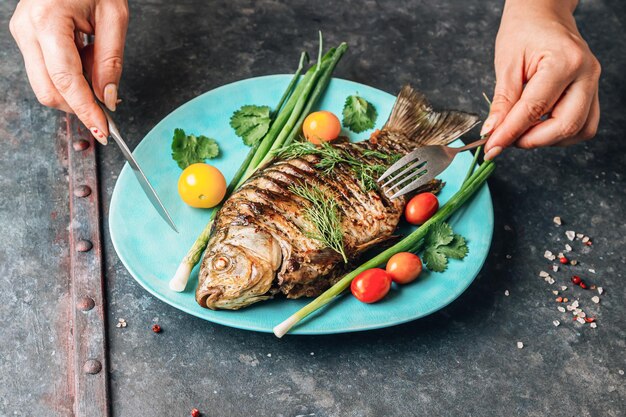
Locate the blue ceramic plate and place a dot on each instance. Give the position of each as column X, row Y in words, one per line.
column 151, row 251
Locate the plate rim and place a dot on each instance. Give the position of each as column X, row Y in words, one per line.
column 297, row 330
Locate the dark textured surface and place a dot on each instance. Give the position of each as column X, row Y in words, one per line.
column 460, row 361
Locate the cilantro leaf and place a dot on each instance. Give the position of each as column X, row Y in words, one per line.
column 439, row 234
column 358, row 114
column 189, row 149
column 435, row 260
column 457, row 249
column 251, row 123
column 441, row 243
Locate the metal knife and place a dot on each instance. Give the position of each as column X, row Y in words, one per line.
column 141, row 177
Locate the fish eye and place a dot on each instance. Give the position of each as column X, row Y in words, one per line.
column 221, row 263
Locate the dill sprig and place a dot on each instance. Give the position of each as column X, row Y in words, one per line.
column 331, row 156
column 323, row 212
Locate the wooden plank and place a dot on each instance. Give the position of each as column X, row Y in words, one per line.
column 89, row 355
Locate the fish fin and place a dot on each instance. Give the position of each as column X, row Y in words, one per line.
column 413, row 117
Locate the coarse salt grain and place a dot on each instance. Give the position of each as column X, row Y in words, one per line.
column 563, row 287
column 520, row 345
column 580, row 320
column 593, row 325
column 570, row 234
column 557, row 220
column 573, row 262
column 585, row 239
column 550, row 280
column 549, row 255
column 579, row 235
column 593, row 271
column 543, row 274
column 561, row 309
column 575, row 303
column 507, row 228
column 600, row 290
column 269, row 355
column 508, row 256
column 555, row 292
column 506, row 292
column 555, row 268
column 595, row 299
column 621, row 372
column 568, row 248
column 556, row 323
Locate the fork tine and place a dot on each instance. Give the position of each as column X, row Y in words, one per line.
column 414, row 185
column 417, row 164
column 399, row 164
column 418, row 173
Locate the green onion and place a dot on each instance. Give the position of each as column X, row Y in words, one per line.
column 474, row 183
column 317, row 92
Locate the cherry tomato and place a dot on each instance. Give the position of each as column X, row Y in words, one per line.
column 371, row 285
column 404, row 267
column 201, row 186
column 321, row 126
column 421, row 208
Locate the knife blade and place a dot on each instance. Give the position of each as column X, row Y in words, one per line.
column 134, row 165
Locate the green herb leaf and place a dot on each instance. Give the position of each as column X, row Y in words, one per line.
column 251, row 123
column 442, row 243
column 323, row 213
column 189, row 149
column 359, row 114
column 434, row 260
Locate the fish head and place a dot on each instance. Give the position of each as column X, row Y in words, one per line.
column 238, row 268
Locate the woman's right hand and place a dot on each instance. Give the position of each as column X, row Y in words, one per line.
column 48, row 35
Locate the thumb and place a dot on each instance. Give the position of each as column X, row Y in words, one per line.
column 110, row 28
column 508, row 90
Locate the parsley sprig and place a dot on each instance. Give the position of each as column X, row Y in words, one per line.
column 440, row 244
column 359, row 114
column 191, row 149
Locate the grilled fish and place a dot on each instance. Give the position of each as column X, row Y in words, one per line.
column 261, row 243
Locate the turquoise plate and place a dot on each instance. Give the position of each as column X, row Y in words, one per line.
column 151, row 251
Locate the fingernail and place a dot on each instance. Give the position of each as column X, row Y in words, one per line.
column 110, row 96
column 488, row 125
column 97, row 133
column 493, row 152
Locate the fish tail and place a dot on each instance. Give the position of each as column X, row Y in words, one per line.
column 413, row 117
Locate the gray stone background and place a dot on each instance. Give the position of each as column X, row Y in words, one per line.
column 462, row 360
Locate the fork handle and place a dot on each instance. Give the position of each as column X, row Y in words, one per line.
column 471, row 145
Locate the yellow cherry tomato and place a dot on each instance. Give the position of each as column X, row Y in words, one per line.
column 321, row 126
column 202, row 186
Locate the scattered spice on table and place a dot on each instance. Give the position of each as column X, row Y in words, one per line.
column 195, row 412
column 121, row 323
column 506, row 292
column 156, row 328
column 520, row 345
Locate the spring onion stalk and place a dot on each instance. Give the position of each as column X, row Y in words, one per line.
column 412, row 240
column 320, row 87
column 286, row 119
column 304, row 56
column 179, row 281
column 473, row 164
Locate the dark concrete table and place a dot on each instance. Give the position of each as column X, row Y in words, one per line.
column 462, row 360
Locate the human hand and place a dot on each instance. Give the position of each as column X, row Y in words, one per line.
column 546, row 90
column 48, row 35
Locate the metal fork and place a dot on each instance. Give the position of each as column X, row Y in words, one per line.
column 419, row 167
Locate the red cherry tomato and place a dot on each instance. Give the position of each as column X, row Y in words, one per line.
column 404, row 267
column 421, row 208
column 371, row 285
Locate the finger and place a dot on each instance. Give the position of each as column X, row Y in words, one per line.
column 65, row 69
column 38, row 77
column 110, row 27
column 509, row 81
column 590, row 128
column 86, row 57
column 567, row 119
column 538, row 97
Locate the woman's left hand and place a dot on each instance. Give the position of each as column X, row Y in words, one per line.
column 546, row 91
